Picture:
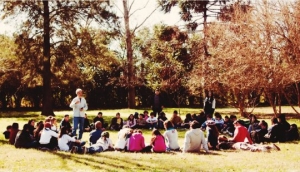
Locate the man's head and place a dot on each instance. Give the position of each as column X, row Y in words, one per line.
column 67, row 117
column 118, row 115
column 99, row 114
column 79, row 92
column 157, row 91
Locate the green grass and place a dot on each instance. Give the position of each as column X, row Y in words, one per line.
column 12, row 159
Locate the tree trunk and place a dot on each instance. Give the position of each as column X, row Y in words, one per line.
column 130, row 72
column 298, row 93
column 47, row 108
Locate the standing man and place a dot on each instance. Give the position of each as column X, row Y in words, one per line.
column 209, row 104
column 79, row 107
column 157, row 102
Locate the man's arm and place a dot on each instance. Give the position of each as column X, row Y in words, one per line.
column 73, row 103
column 85, row 106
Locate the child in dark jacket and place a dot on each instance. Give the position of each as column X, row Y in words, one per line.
column 24, row 139
column 7, row 132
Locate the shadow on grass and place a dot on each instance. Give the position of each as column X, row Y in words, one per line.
column 101, row 161
column 4, row 142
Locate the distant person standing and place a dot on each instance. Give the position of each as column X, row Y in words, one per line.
column 157, row 102
column 79, row 107
column 209, row 104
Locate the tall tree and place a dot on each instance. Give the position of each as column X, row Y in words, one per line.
column 190, row 10
column 53, row 20
column 130, row 73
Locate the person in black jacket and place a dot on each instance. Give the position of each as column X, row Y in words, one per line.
column 273, row 134
column 99, row 117
column 87, row 126
column 258, row 134
column 24, row 139
column 65, row 123
column 209, row 104
column 116, row 123
column 157, row 102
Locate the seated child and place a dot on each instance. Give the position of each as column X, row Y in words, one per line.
column 141, row 122
column 258, row 134
column 66, row 142
column 48, row 137
column 24, row 139
column 161, row 119
column 103, row 144
column 13, row 133
column 176, row 119
column 187, row 120
column 152, row 121
column 116, row 123
column 7, row 132
column 131, row 121
column 158, row 142
column 96, row 133
column 293, row 133
column 136, row 142
column 123, row 136
column 219, row 121
column 171, row 136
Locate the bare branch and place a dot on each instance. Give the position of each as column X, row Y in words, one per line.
column 139, row 8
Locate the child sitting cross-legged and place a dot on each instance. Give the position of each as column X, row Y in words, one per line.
column 103, row 144
column 158, row 141
column 67, row 143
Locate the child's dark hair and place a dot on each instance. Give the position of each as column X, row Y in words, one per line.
column 264, row 123
column 188, row 116
column 152, row 114
column 138, row 131
column 156, row 132
column 8, row 127
column 218, row 115
column 274, row 120
column 162, row 113
column 168, row 124
column 63, row 131
column 129, row 117
column 195, row 125
column 15, row 126
column 30, row 121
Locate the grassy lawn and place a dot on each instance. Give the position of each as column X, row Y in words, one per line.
column 12, row 159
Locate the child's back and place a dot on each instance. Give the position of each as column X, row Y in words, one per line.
column 159, row 144
column 136, row 142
